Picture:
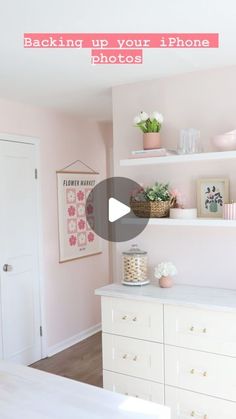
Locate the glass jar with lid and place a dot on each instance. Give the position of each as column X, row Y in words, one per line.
column 135, row 266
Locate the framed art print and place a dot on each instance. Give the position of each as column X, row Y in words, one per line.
column 212, row 194
column 75, row 200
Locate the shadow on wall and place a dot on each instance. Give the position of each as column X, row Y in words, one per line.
column 106, row 131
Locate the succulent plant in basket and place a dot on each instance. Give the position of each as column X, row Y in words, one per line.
column 154, row 201
column 158, row 192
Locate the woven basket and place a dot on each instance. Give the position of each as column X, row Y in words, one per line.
column 152, row 209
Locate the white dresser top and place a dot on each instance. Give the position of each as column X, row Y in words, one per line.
column 26, row 393
column 202, row 297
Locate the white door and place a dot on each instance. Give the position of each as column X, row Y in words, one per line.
column 19, row 272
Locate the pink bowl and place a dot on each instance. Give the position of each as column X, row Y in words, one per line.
column 225, row 142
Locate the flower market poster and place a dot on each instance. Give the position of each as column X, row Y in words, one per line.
column 75, row 199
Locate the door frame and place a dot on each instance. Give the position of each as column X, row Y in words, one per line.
column 15, row 138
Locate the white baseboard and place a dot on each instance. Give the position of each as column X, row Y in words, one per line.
column 61, row 346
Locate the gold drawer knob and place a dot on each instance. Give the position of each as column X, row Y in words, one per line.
column 134, row 319
column 195, row 414
column 125, row 356
column 124, row 318
column 193, row 371
column 135, row 358
column 193, row 329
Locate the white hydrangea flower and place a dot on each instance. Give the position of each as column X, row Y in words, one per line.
column 143, row 116
column 137, row 120
column 165, row 269
column 158, row 116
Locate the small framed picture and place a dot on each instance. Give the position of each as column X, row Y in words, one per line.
column 212, row 194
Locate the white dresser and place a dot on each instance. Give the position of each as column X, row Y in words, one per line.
column 173, row 346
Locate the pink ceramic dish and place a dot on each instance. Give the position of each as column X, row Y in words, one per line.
column 225, row 142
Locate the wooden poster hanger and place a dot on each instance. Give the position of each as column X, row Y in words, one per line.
column 64, row 169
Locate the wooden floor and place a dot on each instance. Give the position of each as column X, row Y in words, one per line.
column 81, row 362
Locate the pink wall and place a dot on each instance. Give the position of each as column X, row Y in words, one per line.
column 205, row 100
column 70, row 304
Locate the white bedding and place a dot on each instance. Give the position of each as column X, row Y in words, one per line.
column 26, row 393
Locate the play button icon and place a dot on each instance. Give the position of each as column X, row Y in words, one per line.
column 109, row 213
column 117, row 210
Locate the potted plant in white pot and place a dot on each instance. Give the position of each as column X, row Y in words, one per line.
column 164, row 272
column 150, row 125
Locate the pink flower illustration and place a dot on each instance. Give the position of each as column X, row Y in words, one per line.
column 89, row 209
column 90, row 237
column 81, row 224
column 72, row 240
column 80, row 196
column 71, row 211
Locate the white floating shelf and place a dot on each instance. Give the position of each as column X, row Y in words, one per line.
column 179, row 158
column 201, row 222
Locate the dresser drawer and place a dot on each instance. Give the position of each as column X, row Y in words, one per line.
column 135, row 319
column 210, row 374
column 137, row 358
column 204, row 330
column 188, row 405
column 135, row 387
